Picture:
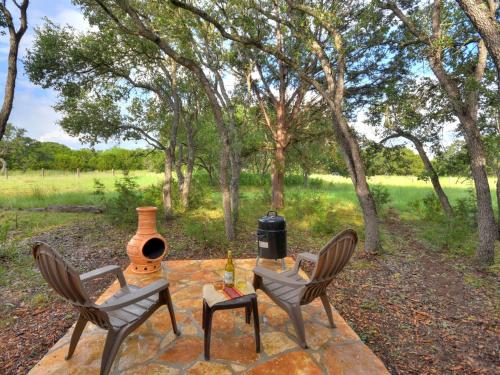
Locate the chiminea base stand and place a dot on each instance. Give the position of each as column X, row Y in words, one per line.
column 283, row 265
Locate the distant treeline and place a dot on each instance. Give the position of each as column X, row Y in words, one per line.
column 24, row 153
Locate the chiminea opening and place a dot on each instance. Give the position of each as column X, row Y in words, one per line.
column 153, row 248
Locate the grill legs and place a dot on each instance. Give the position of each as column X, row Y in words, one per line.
column 283, row 265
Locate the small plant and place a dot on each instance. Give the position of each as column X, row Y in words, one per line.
column 4, row 231
column 428, row 207
column 99, row 191
column 37, row 193
column 121, row 208
column 381, row 196
column 466, row 209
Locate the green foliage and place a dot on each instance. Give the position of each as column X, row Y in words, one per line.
column 465, row 209
column 381, row 196
column 208, row 232
column 427, row 207
column 120, row 209
column 99, row 189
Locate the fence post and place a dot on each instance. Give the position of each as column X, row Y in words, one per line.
column 77, row 172
column 113, row 171
column 6, row 172
column 43, row 172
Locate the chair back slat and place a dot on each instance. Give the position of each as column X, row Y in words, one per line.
column 331, row 260
column 65, row 280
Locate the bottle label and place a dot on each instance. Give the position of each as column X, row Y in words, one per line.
column 228, row 277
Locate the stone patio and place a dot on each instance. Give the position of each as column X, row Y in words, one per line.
column 154, row 349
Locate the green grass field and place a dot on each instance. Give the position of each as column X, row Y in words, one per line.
column 22, row 190
column 327, row 205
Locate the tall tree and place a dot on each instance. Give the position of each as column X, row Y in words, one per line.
column 448, row 53
column 157, row 23
column 15, row 36
column 335, row 34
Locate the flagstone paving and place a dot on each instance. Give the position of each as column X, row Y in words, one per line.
column 154, row 349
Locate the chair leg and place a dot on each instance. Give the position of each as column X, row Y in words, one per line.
column 328, row 309
column 295, row 314
column 75, row 336
column 113, row 342
column 171, row 312
column 256, row 324
column 208, row 329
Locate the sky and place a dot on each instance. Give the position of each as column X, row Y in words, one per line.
column 33, row 106
column 32, row 109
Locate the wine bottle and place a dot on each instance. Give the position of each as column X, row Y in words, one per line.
column 229, row 271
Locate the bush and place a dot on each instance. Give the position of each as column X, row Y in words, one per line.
column 121, row 208
column 210, row 233
column 428, row 208
column 465, row 209
column 381, row 196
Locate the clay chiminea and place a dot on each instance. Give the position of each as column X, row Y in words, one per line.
column 147, row 248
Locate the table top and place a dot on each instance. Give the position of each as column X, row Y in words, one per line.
column 213, row 296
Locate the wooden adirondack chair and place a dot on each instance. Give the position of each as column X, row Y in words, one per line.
column 119, row 315
column 289, row 290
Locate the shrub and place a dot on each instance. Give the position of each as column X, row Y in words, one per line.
column 381, row 196
column 209, row 232
column 465, row 209
column 428, row 207
column 121, row 208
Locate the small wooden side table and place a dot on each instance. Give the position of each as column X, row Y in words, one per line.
column 249, row 302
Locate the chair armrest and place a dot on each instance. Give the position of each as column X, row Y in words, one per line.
column 103, row 271
column 307, row 256
column 135, row 296
column 274, row 276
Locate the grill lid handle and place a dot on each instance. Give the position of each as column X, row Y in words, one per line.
column 275, row 213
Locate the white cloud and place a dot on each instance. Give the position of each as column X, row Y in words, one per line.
column 72, row 18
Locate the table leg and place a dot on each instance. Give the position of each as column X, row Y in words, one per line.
column 208, row 329
column 256, row 324
column 248, row 311
column 203, row 315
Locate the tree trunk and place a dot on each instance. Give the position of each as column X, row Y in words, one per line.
column 186, row 187
column 487, row 228
column 167, row 186
column 10, row 81
column 443, row 198
column 4, row 166
column 498, row 206
column 178, row 170
column 278, row 178
column 235, row 186
column 356, row 168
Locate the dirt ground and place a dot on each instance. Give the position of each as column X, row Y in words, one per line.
column 413, row 307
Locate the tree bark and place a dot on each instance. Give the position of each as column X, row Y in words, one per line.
column 482, row 16
column 167, row 186
column 4, row 166
column 14, row 41
column 278, row 178
column 355, row 166
column 186, row 187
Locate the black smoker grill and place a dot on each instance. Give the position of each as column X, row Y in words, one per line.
column 271, row 237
